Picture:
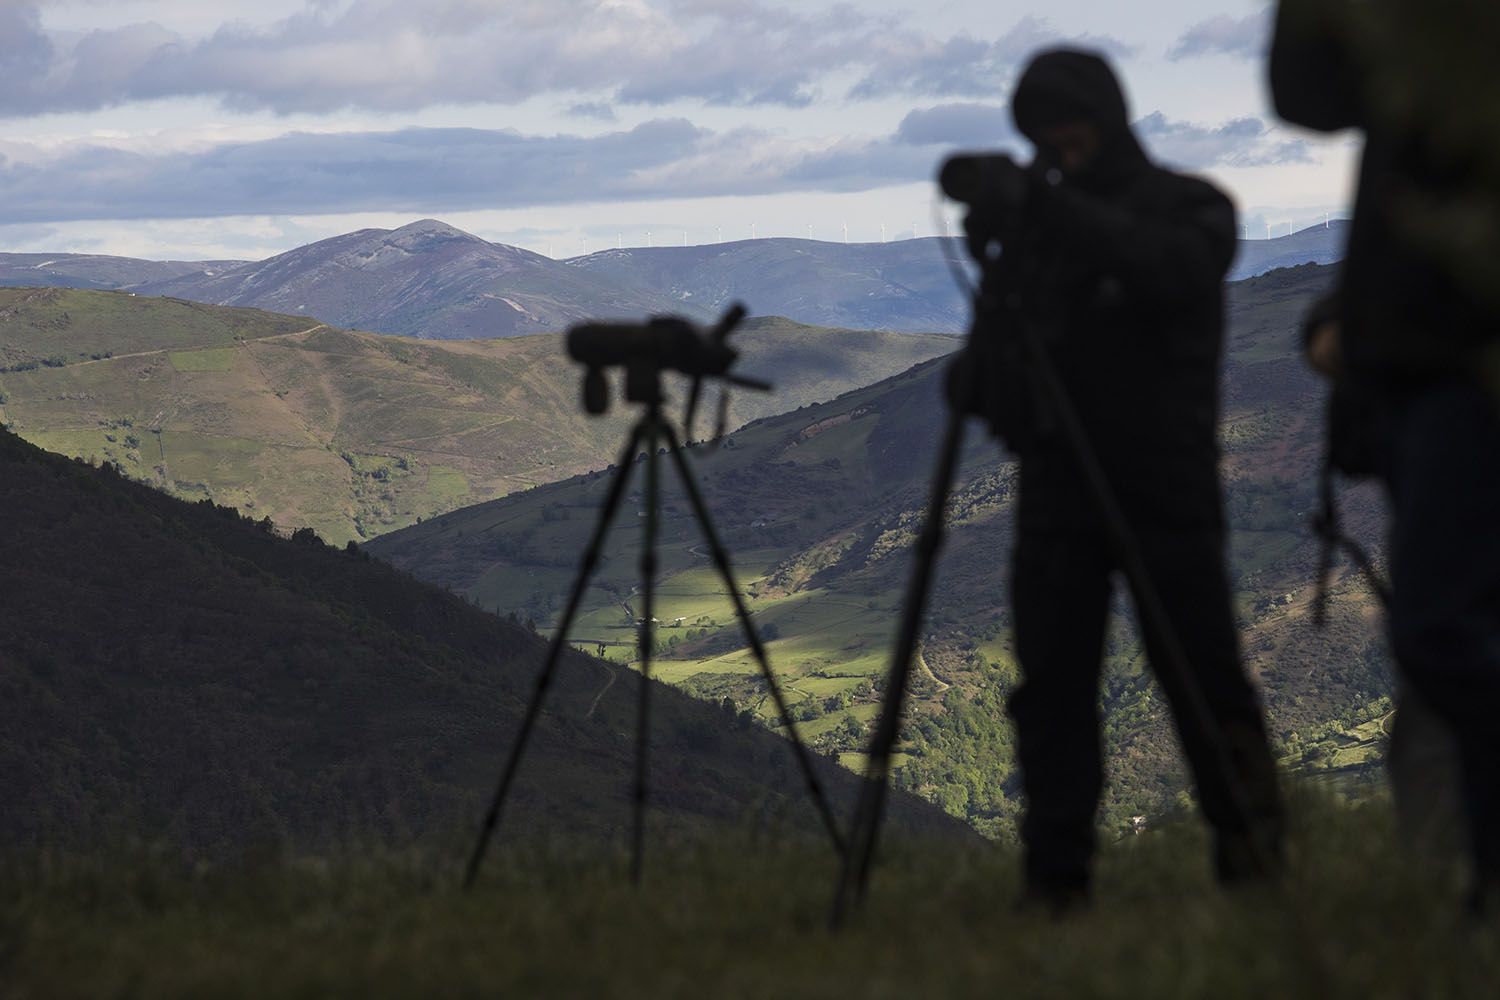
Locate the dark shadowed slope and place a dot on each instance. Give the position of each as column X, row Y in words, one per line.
column 174, row 672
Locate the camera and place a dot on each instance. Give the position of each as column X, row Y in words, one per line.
column 985, row 180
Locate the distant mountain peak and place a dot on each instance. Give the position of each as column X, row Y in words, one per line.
column 432, row 227
column 425, row 233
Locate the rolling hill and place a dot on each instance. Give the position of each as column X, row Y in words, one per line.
column 430, row 280
column 76, row 270
column 346, row 432
column 821, row 506
column 902, row 286
column 426, row 279
column 1314, row 245
column 907, row 285
column 175, row 674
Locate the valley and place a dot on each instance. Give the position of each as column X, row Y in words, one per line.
column 468, row 463
column 820, row 507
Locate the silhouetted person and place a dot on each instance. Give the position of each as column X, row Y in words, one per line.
column 1415, row 336
column 1421, row 760
column 1124, row 266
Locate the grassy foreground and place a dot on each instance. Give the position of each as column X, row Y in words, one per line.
column 745, row 919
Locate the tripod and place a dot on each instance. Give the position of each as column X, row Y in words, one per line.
column 650, row 432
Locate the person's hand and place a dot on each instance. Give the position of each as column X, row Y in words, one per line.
column 1325, row 348
column 961, row 385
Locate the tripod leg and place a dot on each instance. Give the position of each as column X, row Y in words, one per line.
column 644, row 642
column 865, row 829
column 554, row 651
column 721, row 561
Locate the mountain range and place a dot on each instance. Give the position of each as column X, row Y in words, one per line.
column 425, row 279
column 431, row 280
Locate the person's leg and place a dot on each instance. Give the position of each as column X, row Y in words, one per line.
column 1445, row 565
column 1060, row 593
column 1422, row 766
column 1187, row 569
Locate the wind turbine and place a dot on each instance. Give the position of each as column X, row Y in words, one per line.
column 846, row 232
column 684, row 237
column 648, row 239
column 882, row 232
column 809, row 230
column 752, row 230
column 718, row 234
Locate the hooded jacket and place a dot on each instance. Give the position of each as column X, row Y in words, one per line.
column 1405, row 317
column 1124, row 267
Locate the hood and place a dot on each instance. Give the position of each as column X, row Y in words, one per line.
column 1069, row 85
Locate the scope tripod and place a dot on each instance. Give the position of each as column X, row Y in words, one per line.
column 650, row 432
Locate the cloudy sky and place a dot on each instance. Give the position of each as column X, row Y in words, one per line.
column 194, row 129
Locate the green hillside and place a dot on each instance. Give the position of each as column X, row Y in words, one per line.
column 176, row 674
column 820, row 507
column 351, row 434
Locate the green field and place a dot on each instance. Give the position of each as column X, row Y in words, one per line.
column 219, row 359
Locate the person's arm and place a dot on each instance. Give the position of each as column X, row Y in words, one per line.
column 1175, row 249
column 1314, row 81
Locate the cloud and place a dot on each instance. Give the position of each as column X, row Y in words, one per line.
column 958, row 125
column 598, row 111
column 431, row 170
column 440, row 170
column 30, row 235
column 965, row 66
column 1246, row 37
column 1242, row 142
column 396, row 55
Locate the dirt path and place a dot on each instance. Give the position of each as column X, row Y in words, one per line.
column 614, row 675
column 922, row 666
column 167, row 350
